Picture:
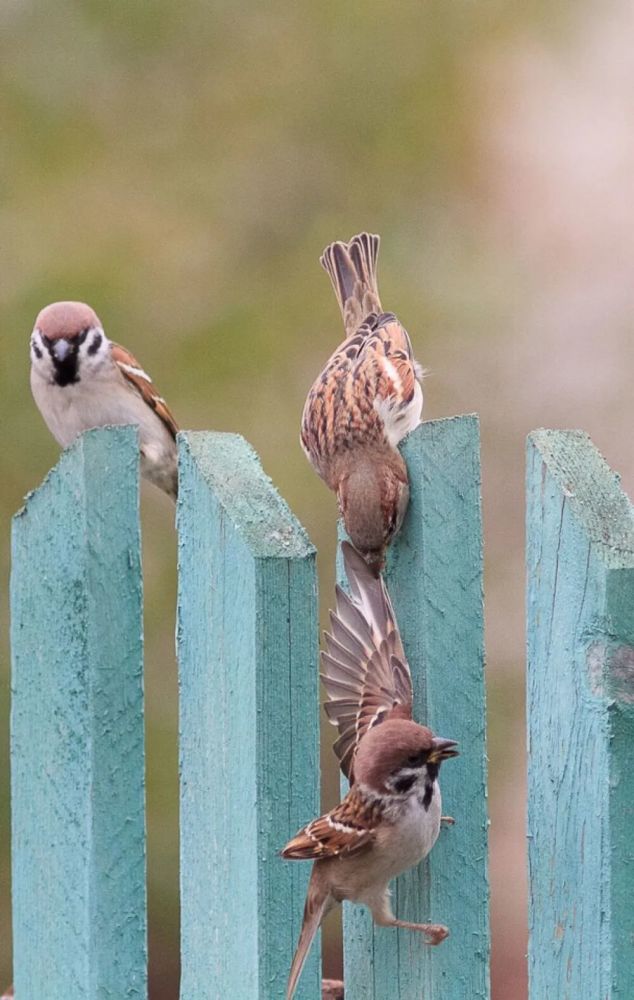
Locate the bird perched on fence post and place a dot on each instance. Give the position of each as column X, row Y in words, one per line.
column 367, row 398
column 390, row 818
column 81, row 380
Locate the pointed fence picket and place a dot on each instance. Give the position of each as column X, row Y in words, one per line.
column 77, row 756
column 580, row 698
column 247, row 643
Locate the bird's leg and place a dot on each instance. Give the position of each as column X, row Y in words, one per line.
column 434, row 933
column 383, row 917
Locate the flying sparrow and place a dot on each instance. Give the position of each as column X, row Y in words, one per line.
column 367, row 398
column 390, row 818
column 80, row 380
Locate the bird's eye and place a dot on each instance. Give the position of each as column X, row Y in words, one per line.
column 417, row 759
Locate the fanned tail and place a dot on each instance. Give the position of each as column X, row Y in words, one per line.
column 318, row 903
column 351, row 267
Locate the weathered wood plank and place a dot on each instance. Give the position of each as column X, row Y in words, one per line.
column 580, row 620
column 77, row 751
column 434, row 576
column 247, row 640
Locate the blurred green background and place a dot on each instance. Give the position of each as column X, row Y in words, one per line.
column 181, row 167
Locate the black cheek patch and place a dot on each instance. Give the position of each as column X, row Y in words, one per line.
column 429, row 791
column 95, row 344
column 37, row 352
column 404, row 784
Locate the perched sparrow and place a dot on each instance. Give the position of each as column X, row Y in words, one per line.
column 80, row 379
column 390, row 818
column 366, row 400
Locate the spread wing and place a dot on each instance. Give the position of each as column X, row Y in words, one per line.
column 345, row 830
column 365, row 672
column 369, row 392
column 142, row 383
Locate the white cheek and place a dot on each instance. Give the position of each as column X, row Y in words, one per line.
column 94, row 365
column 42, row 366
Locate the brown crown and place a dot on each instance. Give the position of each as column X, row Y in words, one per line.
column 386, row 747
column 66, row 319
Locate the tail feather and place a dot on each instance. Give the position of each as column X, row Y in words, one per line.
column 351, row 268
column 318, row 903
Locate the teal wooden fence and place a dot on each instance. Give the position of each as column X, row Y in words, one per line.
column 580, row 557
column 247, row 645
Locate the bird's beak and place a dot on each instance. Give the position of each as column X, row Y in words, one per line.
column 61, row 349
column 442, row 749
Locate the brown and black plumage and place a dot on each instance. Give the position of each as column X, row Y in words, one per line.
column 367, row 398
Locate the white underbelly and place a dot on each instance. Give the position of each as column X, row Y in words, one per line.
column 72, row 409
column 412, row 838
column 398, row 847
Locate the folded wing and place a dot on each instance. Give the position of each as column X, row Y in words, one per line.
column 141, row 382
column 345, row 830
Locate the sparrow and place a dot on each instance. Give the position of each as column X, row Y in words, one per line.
column 80, row 379
column 390, row 818
column 367, row 398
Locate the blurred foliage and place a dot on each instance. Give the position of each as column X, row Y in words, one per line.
column 180, row 167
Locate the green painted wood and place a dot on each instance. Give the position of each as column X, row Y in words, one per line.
column 580, row 620
column 77, row 753
column 434, row 576
column 247, row 643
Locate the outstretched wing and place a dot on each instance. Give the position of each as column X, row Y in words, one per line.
column 365, row 672
column 345, row 830
column 142, row 383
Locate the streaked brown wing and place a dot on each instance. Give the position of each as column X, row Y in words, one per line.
column 345, row 830
column 141, row 381
column 365, row 671
column 371, row 375
column 389, row 349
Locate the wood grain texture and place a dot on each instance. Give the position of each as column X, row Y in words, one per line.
column 247, row 642
column 77, row 752
column 434, row 576
column 580, row 621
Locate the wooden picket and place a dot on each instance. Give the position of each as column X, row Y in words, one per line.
column 434, row 576
column 247, row 640
column 77, row 750
column 580, row 617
